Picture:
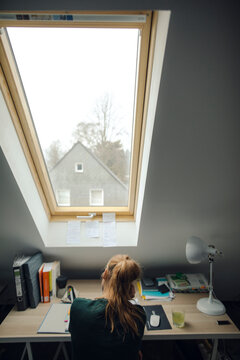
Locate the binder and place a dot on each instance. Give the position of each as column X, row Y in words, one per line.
column 30, row 268
column 20, row 283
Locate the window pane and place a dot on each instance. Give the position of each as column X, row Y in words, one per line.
column 79, row 167
column 63, row 197
column 80, row 86
column 96, row 197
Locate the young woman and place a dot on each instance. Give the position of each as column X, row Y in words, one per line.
column 110, row 327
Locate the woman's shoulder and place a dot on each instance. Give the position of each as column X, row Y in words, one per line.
column 80, row 300
column 83, row 309
column 85, row 302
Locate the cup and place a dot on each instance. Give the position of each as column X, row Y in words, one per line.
column 61, row 285
column 178, row 318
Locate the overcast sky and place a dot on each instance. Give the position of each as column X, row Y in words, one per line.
column 65, row 71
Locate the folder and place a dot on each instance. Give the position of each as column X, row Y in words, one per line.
column 20, row 283
column 31, row 267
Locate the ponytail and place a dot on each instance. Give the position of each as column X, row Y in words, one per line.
column 122, row 271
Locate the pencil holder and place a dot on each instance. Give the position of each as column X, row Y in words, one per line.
column 61, row 285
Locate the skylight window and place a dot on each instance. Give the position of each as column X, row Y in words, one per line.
column 83, row 88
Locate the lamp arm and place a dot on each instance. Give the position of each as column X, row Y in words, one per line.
column 210, row 298
column 213, row 251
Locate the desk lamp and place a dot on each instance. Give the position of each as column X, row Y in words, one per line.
column 196, row 251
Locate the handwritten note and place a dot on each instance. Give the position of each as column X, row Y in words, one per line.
column 109, row 230
column 73, row 232
column 92, row 229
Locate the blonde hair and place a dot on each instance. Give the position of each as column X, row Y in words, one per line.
column 121, row 272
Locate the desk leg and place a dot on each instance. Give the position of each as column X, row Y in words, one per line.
column 65, row 352
column 61, row 346
column 28, row 349
column 214, row 350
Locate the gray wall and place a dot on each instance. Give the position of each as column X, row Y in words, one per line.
column 193, row 183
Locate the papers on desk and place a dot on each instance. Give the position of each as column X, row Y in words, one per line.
column 152, row 292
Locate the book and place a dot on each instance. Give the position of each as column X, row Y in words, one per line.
column 180, row 282
column 46, row 282
column 152, row 292
column 40, row 276
column 151, row 284
column 20, row 283
column 50, row 285
column 30, row 268
column 55, row 274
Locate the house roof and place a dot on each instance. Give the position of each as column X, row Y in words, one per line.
column 78, row 143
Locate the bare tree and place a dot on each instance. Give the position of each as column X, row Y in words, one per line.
column 115, row 158
column 102, row 136
column 53, row 154
column 102, row 128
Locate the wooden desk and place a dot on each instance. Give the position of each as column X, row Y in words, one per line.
column 22, row 326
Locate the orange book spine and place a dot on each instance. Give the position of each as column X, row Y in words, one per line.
column 46, row 297
column 40, row 275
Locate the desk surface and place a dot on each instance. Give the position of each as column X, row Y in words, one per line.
column 21, row 325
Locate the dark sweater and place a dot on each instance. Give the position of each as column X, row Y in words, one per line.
column 92, row 339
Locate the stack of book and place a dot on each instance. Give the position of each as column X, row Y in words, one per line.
column 187, row 283
column 156, row 289
column 33, row 284
column 48, row 273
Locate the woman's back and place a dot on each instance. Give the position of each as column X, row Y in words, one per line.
column 92, row 337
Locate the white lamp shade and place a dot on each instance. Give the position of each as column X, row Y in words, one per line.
column 196, row 250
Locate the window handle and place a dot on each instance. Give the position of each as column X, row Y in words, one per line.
column 89, row 216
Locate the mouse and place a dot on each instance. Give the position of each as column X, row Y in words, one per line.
column 154, row 320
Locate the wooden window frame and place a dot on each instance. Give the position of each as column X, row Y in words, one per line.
column 10, row 84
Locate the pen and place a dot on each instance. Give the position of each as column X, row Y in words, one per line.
column 67, row 316
column 71, row 294
column 66, row 320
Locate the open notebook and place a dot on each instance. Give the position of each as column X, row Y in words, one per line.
column 56, row 320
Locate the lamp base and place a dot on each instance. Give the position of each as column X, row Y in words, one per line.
column 213, row 307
